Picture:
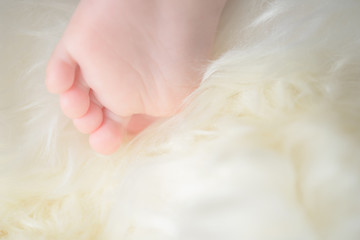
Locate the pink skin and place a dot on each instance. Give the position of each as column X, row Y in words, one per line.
column 122, row 61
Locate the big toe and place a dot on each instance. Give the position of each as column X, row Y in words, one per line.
column 139, row 122
column 60, row 71
column 107, row 138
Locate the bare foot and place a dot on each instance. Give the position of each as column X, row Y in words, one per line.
column 138, row 59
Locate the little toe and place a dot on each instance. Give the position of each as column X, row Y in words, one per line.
column 60, row 71
column 107, row 138
column 91, row 120
column 75, row 102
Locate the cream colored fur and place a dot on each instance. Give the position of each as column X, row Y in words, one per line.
column 267, row 148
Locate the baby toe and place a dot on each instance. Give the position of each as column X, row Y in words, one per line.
column 91, row 120
column 107, row 138
column 75, row 102
column 60, row 71
column 139, row 122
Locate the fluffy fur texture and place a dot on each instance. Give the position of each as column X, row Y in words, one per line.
column 267, row 148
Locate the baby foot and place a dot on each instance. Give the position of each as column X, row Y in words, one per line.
column 121, row 61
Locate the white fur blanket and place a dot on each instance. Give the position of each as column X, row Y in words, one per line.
column 268, row 148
